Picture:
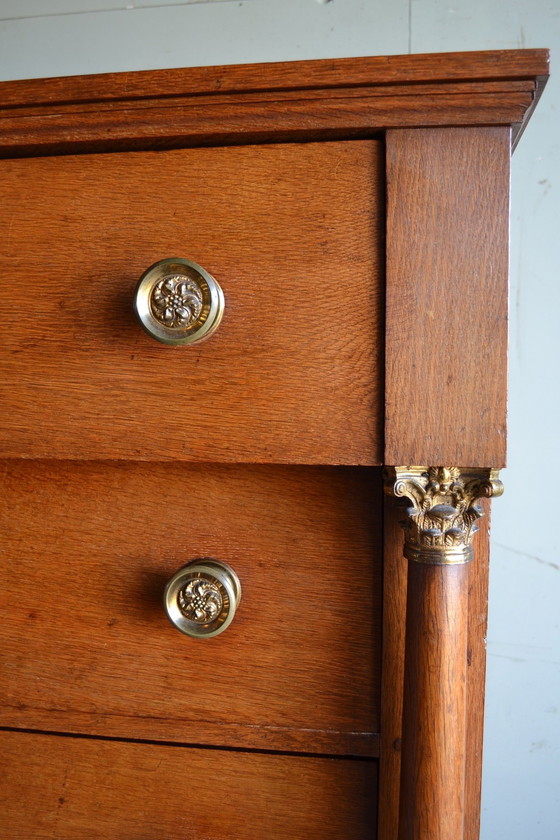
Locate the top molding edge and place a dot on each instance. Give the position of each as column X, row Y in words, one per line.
column 496, row 65
column 348, row 98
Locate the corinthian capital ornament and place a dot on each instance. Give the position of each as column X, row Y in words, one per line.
column 441, row 520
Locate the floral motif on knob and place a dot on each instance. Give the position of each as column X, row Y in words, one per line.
column 176, row 301
column 200, row 600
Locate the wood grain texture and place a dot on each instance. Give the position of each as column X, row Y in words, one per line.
column 304, row 100
column 86, row 646
column 485, row 65
column 79, row 789
column 198, row 124
column 447, row 275
column 394, row 621
column 392, row 670
column 476, row 673
column 293, row 374
column 293, row 233
column 432, row 790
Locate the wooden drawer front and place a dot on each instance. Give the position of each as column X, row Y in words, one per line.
column 292, row 234
column 81, row 789
column 86, row 646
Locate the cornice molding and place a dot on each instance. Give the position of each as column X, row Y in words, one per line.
column 296, row 101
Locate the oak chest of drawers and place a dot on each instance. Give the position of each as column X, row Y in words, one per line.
column 355, row 215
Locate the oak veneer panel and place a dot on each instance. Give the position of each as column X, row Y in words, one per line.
column 78, row 789
column 86, row 646
column 447, row 273
column 293, row 235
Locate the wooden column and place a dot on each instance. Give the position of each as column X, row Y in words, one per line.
column 439, row 525
column 446, row 350
column 432, row 789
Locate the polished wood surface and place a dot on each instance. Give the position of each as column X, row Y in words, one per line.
column 293, row 374
column 86, row 645
column 476, row 673
column 395, row 569
column 447, row 296
column 295, row 235
column 301, row 101
column 482, row 66
column 432, row 786
column 80, row 789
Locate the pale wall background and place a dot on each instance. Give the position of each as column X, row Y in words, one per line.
column 64, row 37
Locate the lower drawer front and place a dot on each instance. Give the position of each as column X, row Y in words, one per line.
column 86, row 648
column 82, row 789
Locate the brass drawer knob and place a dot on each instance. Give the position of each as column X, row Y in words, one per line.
column 178, row 302
column 202, row 597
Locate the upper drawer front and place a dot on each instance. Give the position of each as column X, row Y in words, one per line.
column 293, row 235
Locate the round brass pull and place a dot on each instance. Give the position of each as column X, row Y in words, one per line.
column 202, row 597
column 178, row 302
